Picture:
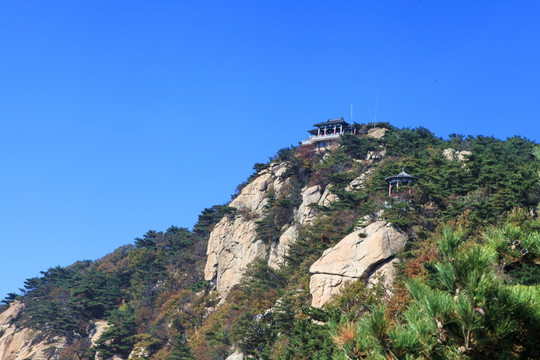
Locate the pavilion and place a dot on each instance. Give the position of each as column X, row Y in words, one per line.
column 327, row 133
column 402, row 177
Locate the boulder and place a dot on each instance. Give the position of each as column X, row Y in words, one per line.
column 453, row 155
column 356, row 257
column 376, row 155
column 377, row 133
column 237, row 355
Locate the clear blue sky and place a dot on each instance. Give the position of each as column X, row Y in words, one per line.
column 117, row 117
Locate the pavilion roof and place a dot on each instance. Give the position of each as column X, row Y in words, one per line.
column 331, row 122
column 401, row 176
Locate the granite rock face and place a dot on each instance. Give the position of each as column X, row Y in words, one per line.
column 356, row 256
column 233, row 243
column 304, row 215
column 18, row 343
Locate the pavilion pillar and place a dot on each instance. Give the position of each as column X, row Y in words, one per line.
column 389, row 189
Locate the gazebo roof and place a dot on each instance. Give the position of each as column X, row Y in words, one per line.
column 401, row 176
column 331, row 122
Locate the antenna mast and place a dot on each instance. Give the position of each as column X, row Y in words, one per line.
column 376, row 106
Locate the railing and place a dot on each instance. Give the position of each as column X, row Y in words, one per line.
column 317, row 138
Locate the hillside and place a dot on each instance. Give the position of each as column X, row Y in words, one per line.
column 313, row 259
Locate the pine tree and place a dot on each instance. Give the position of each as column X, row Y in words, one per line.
column 180, row 348
column 471, row 314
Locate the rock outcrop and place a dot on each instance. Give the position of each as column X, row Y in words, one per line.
column 304, row 215
column 362, row 254
column 237, row 355
column 377, row 133
column 233, row 243
column 98, row 329
column 17, row 343
column 452, row 155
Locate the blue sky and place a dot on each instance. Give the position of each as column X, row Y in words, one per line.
column 117, row 117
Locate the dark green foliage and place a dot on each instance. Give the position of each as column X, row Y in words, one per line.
column 259, row 278
column 180, row 348
column 286, row 154
column 410, row 142
column 337, row 166
column 351, row 200
column 199, row 285
column 48, row 306
column 459, row 142
column 380, row 124
column 497, row 177
column 309, row 340
column 244, row 320
column 400, row 213
column 357, row 147
column 209, row 217
column 260, row 167
column 268, row 229
column 284, row 313
column 118, row 338
column 96, row 294
column 148, row 241
column 64, row 301
column 176, row 239
column 254, row 335
column 10, row 297
column 469, row 314
column 526, row 274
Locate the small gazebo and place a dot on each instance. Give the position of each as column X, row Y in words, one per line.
column 402, row 177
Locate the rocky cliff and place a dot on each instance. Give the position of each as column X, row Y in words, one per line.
column 234, row 243
column 19, row 343
column 319, row 219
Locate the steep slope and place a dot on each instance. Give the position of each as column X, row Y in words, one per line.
column 234, row 242
column 311, row 227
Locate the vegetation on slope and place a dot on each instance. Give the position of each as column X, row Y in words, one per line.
column 467, row 290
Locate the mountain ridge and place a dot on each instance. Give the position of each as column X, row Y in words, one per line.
column 241, row 278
